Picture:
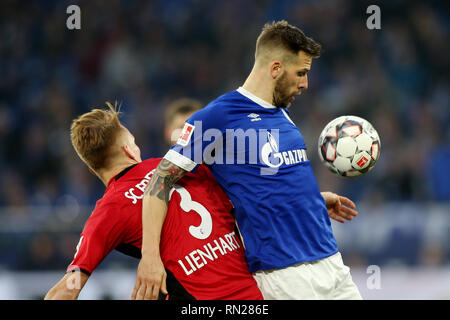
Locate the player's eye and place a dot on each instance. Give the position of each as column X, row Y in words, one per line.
column 301, row 74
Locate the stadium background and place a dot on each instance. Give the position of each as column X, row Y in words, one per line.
column 146, row 54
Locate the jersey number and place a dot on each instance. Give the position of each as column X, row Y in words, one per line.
column 202, row 231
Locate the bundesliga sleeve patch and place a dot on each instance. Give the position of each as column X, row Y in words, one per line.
column 186, row 134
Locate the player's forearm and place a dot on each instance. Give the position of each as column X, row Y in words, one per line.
column 61, row 294
column 155, row 203
column 68, row 288
column 154, row 212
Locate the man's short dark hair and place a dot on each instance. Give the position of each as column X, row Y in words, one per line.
column 282, row 35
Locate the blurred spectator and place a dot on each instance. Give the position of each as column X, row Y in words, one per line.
column 176, row 115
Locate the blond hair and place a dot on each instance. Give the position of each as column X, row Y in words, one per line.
column 93, row 135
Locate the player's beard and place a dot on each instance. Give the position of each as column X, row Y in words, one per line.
column 281, row 97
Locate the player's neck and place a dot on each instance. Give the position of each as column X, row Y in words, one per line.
column 107, row 174
column 258, row 85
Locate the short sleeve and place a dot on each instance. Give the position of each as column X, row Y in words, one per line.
column 102, row 233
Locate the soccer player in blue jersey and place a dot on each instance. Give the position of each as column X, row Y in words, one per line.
column 259, row 157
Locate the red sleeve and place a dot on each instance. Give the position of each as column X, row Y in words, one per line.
column 102, row 233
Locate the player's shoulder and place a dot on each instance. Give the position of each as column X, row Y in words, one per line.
column 220, row 111
column 142, row 170
column 105, row 204
column 129, row 178
column 150, row 163
column 102, row 214
column 227, row 97
column 221, row 105
column 228, row 100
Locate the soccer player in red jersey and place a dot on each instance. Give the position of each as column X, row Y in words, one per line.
column 203, row 256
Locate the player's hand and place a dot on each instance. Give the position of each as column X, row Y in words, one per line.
column 339, row 208
column 150, row 279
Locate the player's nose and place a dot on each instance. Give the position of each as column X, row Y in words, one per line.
column 303, row 84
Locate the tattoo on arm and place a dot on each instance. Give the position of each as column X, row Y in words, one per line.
column 164, row 177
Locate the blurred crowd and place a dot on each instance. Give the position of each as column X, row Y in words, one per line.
column 145, row 54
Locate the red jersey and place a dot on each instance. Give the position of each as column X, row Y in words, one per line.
column 203, row 256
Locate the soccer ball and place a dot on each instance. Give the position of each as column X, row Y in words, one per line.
column 349, row 146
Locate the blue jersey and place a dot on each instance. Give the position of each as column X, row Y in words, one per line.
column 258, row 156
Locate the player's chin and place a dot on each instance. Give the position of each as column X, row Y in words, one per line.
column 289, row 103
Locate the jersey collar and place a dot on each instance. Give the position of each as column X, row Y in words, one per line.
column 254, row 98
column 121, row 173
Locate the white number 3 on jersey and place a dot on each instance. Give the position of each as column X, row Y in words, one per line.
column 202, row 231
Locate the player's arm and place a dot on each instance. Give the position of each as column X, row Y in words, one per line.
column 339, row 208
column 101, row 234
column 69, row 287
column 151, row 275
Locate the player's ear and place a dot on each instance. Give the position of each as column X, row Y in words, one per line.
column 129, row 153
column 276, row 69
